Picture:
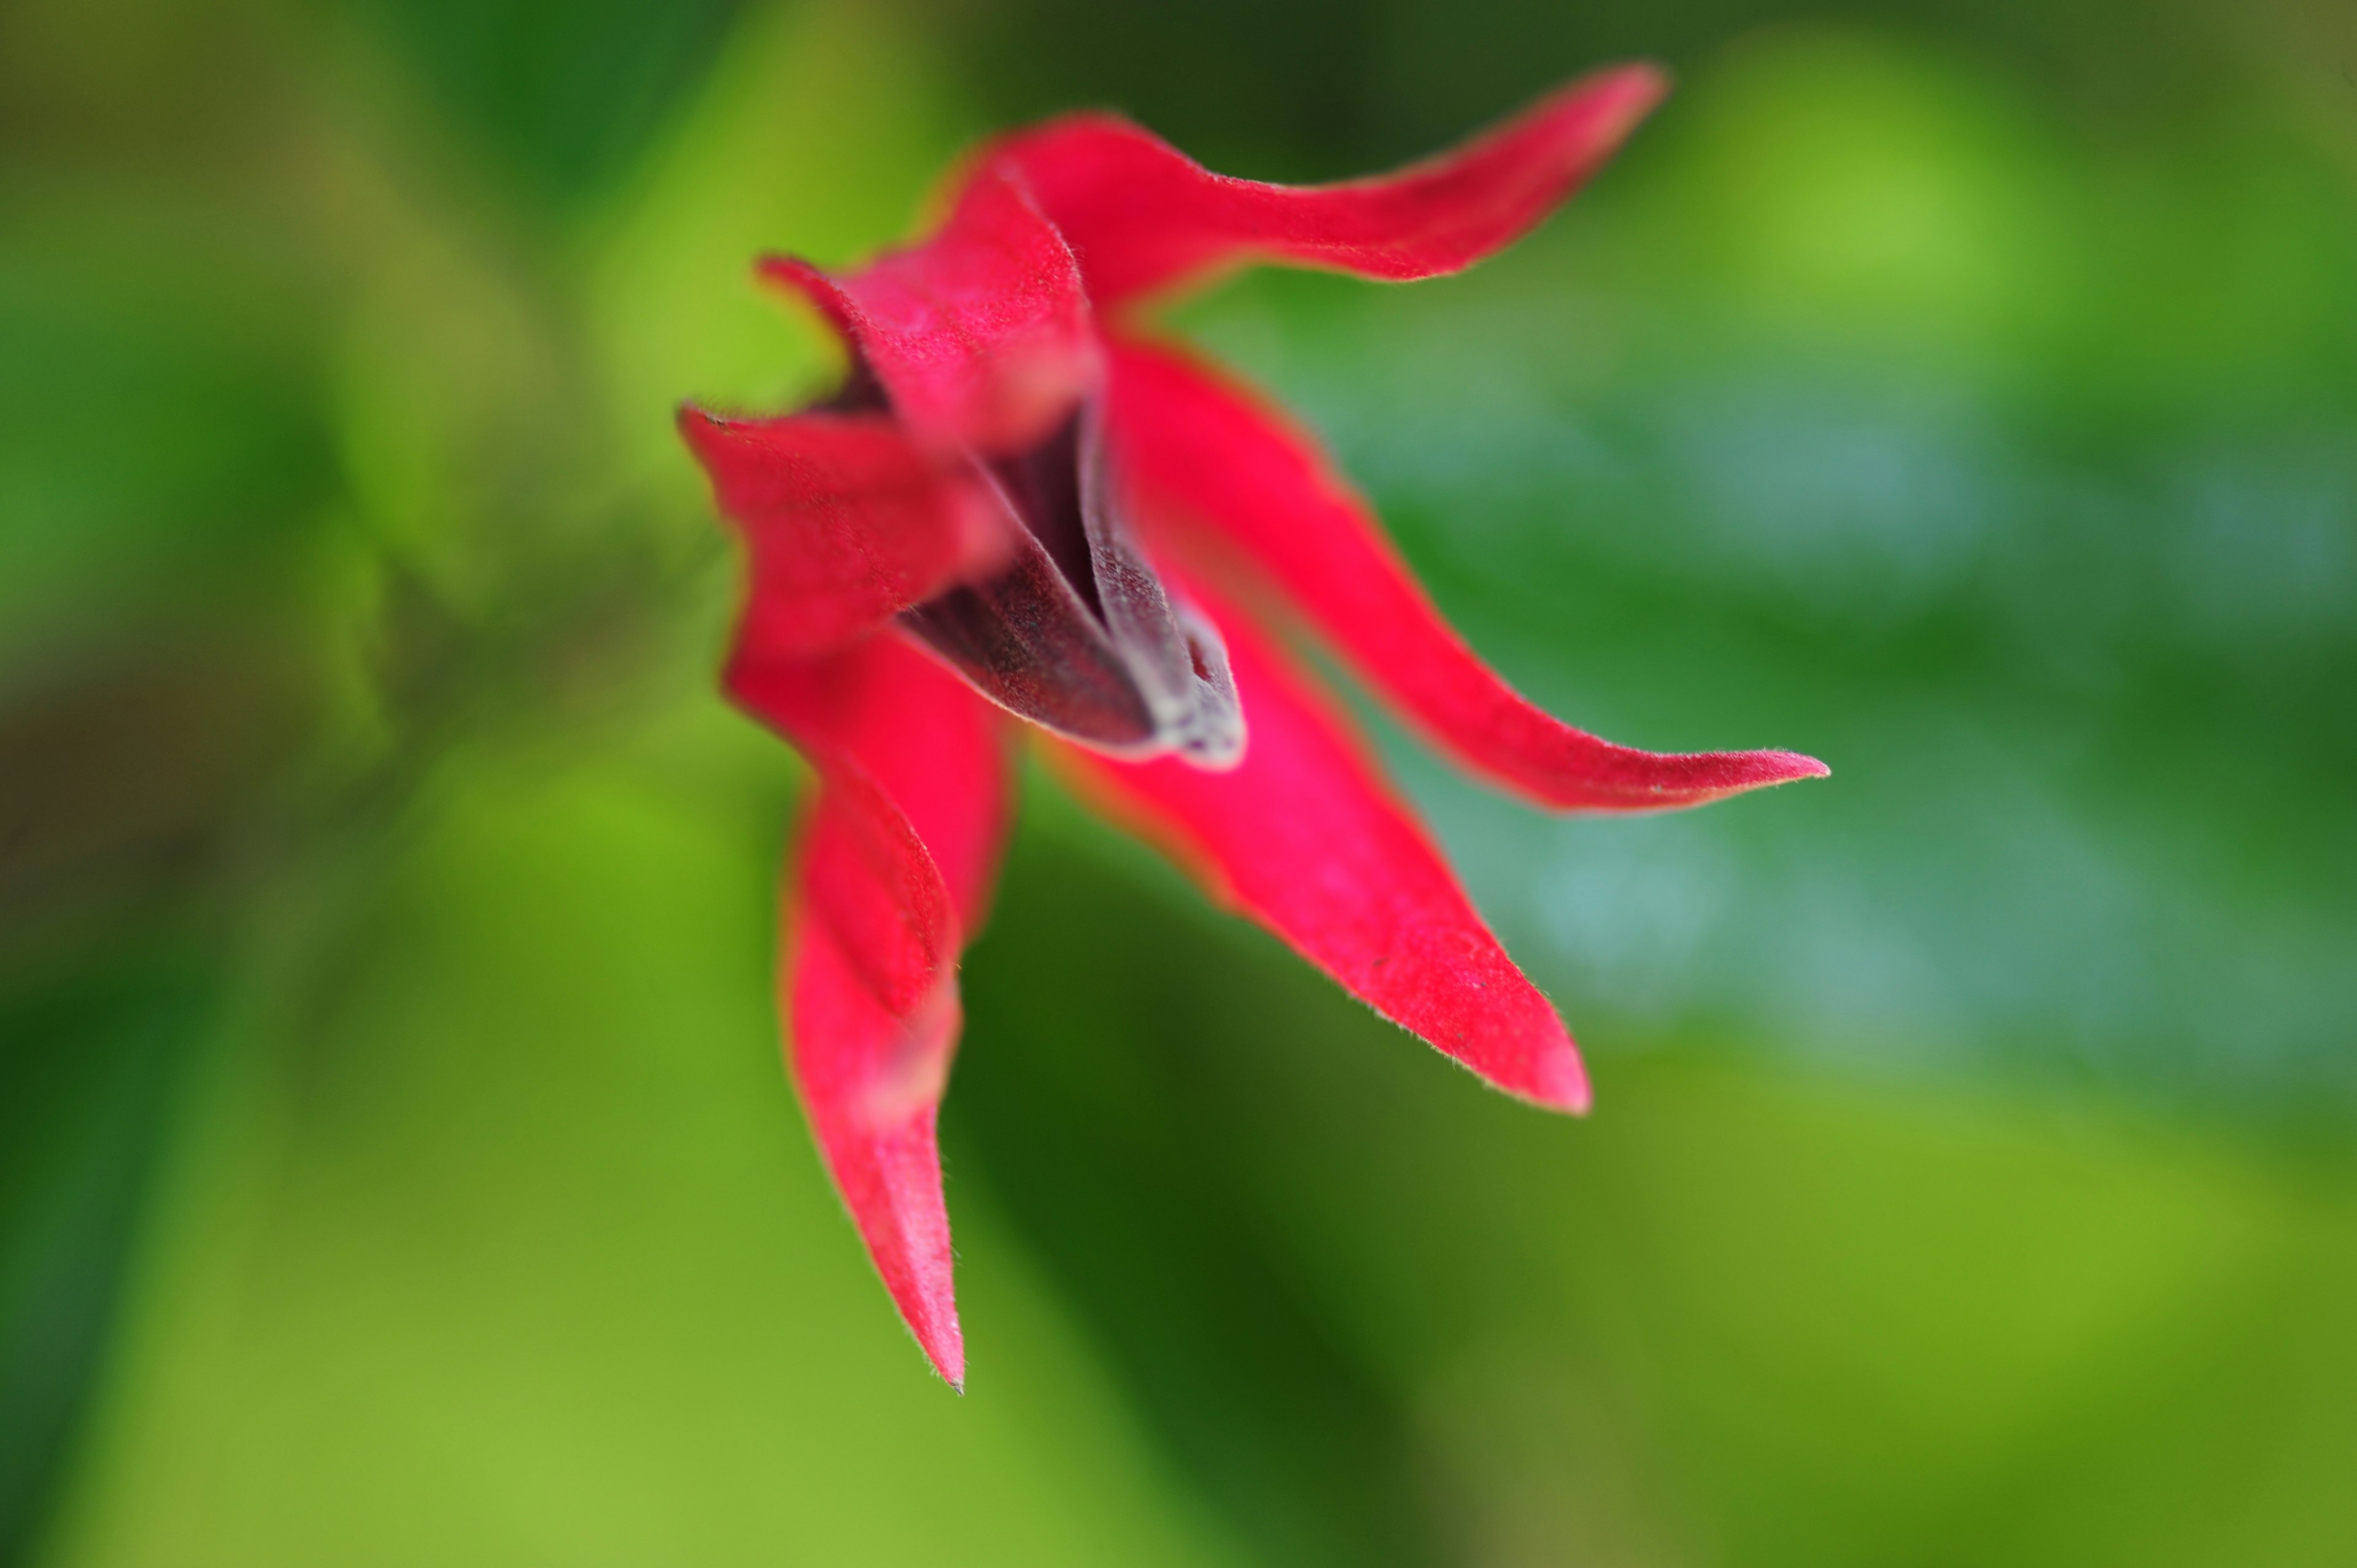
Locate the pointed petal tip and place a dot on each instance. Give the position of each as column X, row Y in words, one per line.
column 807, row 282
column 1547, row 1074
column 1785, row 767
column 921, row 1288
column 1740, row 770
column 1572, row 1093
column 1680, row 781
column 944, row 1346
column 900, row 1215
column 1642, row 84
column 1602, row 109
column 1557, row 1079
column 778, row 267
column 814, row 288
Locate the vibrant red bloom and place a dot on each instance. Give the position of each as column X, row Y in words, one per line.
column 1018, row 505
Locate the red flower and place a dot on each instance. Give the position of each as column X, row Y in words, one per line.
column 1019, row 504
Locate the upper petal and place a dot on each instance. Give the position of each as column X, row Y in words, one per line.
column 1306, row 836
column 1143, row 216
column 894, row 865
column 981, row 334
column 1206, row 460
column 847, row 523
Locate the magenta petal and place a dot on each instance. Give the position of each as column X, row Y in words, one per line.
column 1143, row 216
column 867, row 874
column 981, row 335
column 846, row 522
column 1306, row 836
column 1203, row 457
column 895, row 866
column 935, row 750
column 870, row 1081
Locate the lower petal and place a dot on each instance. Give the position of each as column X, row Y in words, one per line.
column 894, row 865
column 1306, row 836
column 870, row 1081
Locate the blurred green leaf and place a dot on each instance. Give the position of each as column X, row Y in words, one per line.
column 87, row 1086
column 159, row 435
column 564, row 95
column 1735, row 1316
column 522, row 1220
column 1088, row 1101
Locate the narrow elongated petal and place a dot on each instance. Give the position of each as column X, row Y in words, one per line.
column 1143, row 216
column 894, row 869
column 981, row 335
column 1306, row 836
column 846, row 521
column 1204, row 457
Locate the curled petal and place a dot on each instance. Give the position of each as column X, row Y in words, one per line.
column 871, row 878
column 1205, row 458
column 894, row 869
column 1306, row 836
column 931, row 745
column 1142, row 216
column 846, row 523
column 981, row 335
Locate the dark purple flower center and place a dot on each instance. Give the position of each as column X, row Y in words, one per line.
column 1077, row 632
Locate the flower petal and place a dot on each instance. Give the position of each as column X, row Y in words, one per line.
column 981, row 335
column 895, row 868
column 870, row 1081
column 1142, row 216
column 847, row 523
column 1306, row 836
column 1205, row 459
column 931, row 745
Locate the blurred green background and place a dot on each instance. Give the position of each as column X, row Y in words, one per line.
column 395, row 1162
